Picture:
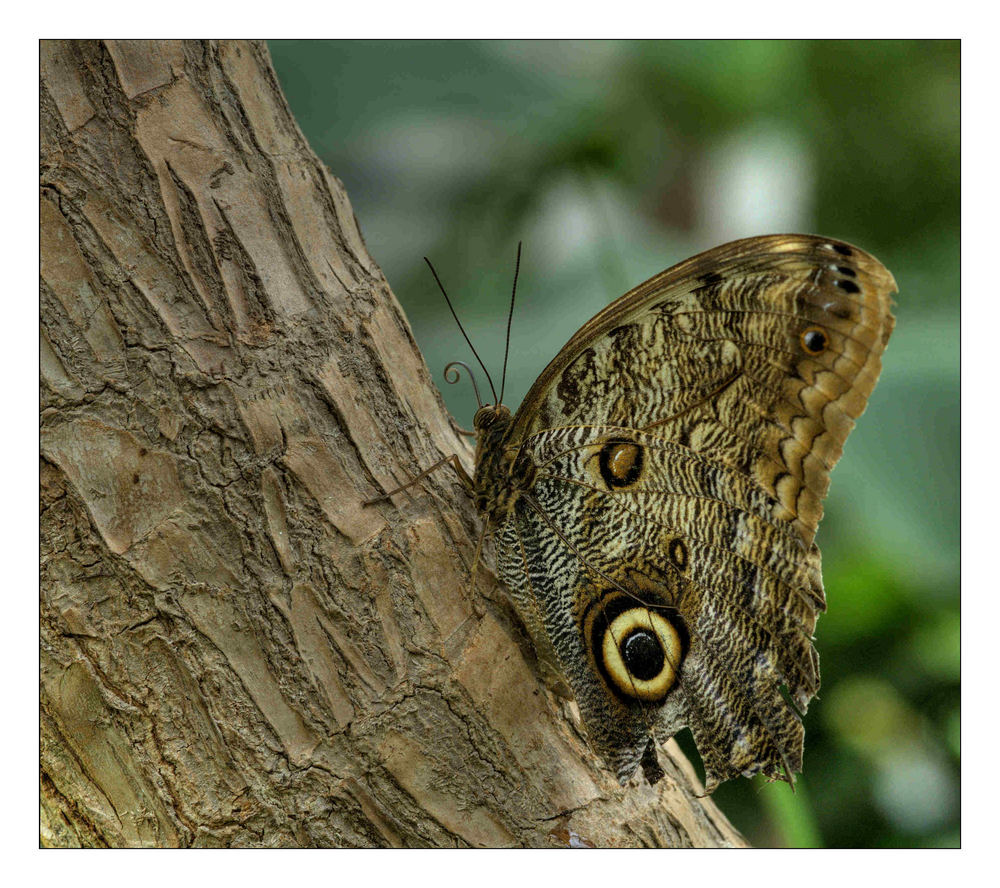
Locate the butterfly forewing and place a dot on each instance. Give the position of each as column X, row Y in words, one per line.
column 680, row 447
column 713, row 349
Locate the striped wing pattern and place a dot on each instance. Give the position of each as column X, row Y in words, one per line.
column 680, row 448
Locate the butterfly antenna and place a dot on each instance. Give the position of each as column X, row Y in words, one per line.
column 451, row 376
column 460, row 327
column 510, row 317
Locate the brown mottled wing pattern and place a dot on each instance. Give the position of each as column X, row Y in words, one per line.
column 680, row 449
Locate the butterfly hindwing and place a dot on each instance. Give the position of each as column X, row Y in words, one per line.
column 672, row 462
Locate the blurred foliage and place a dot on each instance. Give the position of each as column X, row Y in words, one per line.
column 614, row 160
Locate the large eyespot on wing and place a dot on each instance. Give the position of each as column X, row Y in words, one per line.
column 638, row 650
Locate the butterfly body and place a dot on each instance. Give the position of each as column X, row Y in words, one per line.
column 655, row 498
column 497, row 482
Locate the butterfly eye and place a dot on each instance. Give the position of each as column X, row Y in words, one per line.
column 814, row 340
column 641, row 653
column 484, row 418
column 489, row 414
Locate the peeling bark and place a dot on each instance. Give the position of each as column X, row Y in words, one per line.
column 234, row 650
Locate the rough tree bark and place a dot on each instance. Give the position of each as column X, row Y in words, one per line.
column 234, row 651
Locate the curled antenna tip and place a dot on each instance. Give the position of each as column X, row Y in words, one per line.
column 451, row 376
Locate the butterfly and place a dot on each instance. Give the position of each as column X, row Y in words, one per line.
column 655, row 498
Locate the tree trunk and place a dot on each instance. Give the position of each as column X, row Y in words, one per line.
column 234, row 650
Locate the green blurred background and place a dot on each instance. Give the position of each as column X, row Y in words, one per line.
column 614, row 160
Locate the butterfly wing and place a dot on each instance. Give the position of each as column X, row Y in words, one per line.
column 681, row 446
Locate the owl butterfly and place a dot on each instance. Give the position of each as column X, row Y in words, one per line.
column 655, row 498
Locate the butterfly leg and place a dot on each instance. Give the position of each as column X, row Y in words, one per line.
column 459, row 430
column 463, row 476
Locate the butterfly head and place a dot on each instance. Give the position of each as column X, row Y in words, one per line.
column 491, row 416
column 503, row 472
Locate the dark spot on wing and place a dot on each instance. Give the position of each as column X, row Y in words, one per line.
column 847, row 286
